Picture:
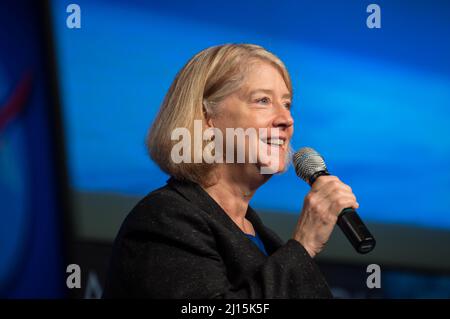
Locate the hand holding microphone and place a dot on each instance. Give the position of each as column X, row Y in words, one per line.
column 329, row 202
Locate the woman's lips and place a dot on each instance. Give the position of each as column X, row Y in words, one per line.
column 279, row 142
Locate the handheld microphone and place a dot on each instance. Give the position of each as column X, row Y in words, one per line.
column 309, row 165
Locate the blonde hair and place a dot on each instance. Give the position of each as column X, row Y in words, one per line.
column 206, row 79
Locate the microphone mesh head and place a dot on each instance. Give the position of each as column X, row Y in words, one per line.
column 307, row 162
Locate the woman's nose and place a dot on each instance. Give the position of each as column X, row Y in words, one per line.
column 283, row 117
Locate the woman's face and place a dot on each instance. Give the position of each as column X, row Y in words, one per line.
column 262, row 102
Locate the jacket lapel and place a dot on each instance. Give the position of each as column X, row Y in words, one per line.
column 195, row 194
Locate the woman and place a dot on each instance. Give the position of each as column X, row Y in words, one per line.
column 197, row 237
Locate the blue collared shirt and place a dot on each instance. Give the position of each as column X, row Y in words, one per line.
column 258, row 242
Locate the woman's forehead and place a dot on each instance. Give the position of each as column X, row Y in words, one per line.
column 263, row 76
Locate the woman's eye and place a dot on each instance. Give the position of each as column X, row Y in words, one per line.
column 264, row 100
column 287, row 105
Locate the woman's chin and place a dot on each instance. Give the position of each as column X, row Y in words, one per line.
column 273, row 166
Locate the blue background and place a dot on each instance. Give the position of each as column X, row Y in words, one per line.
column 31, row 246
column 374, row 102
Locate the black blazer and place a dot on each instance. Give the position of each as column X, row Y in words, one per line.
column 177, row 242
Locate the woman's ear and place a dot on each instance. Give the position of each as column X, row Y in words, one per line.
column 207, row 114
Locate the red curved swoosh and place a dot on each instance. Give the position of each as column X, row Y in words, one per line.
column 16, row 102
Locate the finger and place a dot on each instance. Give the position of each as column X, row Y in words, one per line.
column 324, row 179
column 340, row 193
column 337, row 206
column 330, row 181
column 332, row 186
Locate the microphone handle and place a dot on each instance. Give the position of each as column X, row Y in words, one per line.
column 351, row 225
column 355, row 231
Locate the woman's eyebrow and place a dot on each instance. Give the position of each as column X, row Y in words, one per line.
column 268, row 91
